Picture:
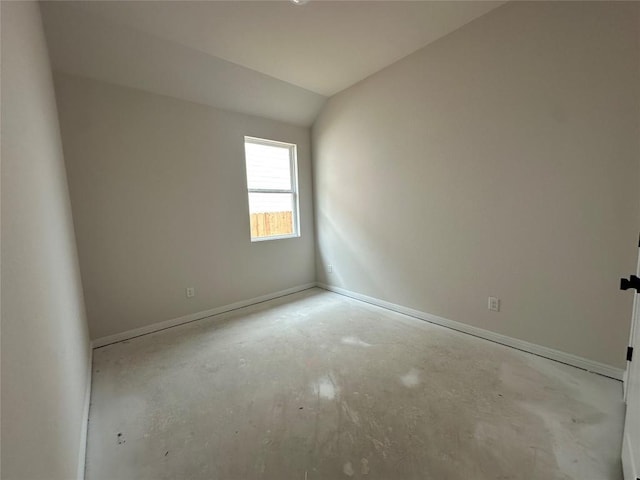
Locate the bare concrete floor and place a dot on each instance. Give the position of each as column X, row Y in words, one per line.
column 319, row 386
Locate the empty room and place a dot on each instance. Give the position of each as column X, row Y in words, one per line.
column 318, row 240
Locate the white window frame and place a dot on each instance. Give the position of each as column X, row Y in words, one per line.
column 293, row 171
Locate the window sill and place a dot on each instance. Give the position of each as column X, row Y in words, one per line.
column 275, row 237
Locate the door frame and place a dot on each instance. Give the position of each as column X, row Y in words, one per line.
column 634, row 326
column 631, row 470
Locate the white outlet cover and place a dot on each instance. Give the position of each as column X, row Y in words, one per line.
column 494, row 304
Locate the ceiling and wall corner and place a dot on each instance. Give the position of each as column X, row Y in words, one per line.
column 83, row 44
column 267, row 58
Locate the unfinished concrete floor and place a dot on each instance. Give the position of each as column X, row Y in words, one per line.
column 319, row 386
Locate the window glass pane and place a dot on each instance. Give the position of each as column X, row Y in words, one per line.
column 268, row 166
column 271, row 214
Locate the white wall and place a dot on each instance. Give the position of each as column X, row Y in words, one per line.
column 500, row 160
column 159, row 200
column 45, row 347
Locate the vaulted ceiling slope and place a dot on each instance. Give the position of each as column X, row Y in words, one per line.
column 268, row 58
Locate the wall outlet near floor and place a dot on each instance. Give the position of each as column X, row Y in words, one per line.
column 330, row 268
column 190, row 292
column 494, row 304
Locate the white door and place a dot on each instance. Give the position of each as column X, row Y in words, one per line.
column 631, row 438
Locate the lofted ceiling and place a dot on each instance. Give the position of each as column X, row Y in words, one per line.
column 268, row 58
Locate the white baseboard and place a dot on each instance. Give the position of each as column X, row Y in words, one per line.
column 84, row 429
column 557, row 355
column 569, row 359
column 154, row 327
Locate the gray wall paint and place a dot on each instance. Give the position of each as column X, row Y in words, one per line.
column 45, row 346
column 159, row 199
column 500, row 160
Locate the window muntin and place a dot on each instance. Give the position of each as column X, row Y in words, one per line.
column 272, row 188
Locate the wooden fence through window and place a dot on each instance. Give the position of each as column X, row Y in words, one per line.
column 269, row 224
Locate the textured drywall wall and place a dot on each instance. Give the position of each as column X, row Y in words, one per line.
column 159, row 200
column 500, row 160
column 45, row 346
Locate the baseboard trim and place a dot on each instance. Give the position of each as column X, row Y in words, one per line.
column 192, row 317
column 84, row 429
column 557, row 355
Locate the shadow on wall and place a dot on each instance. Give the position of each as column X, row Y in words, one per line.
column 355, row 248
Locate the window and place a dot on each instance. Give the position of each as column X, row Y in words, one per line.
column 272, row 183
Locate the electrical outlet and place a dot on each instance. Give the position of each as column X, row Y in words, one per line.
column 190, row 292
column 494, row 304
column 330, row 268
